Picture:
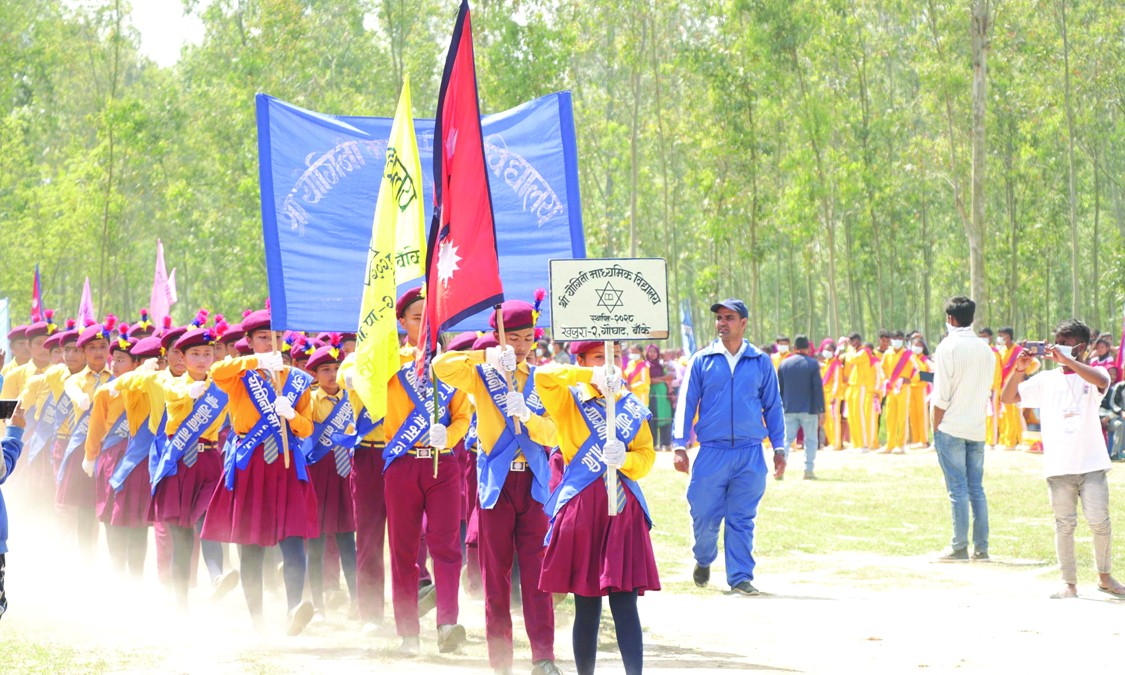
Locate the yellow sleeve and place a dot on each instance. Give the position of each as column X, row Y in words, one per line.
column 30, row 393
column 542, row 430
column 301, row 424
column 14, row 381
column 228, row 374
column 553, row 382
column 99, row 423
column 458, row 369
column 460, row 414
column 641, row 455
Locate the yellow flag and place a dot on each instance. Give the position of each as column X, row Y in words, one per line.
column 396, row 255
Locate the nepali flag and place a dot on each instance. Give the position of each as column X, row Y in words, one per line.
column 36, row 297
column 462, row 268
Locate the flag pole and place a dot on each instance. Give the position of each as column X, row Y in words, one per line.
column 437, row 403
column 610, row 428
column 276, row 379
column 504, row 343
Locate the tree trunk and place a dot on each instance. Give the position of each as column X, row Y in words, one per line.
column 981, row 30
column 1075, row 289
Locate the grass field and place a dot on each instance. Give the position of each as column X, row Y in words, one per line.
column 869, row 524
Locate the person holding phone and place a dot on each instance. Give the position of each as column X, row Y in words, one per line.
column 1075, row 460
column 10, row 448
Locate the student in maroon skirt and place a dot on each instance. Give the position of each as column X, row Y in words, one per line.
column 329, row 457
column 106, row 439
column 266, row 498
column 591, row 553
column 466, row 450
column 76, row 483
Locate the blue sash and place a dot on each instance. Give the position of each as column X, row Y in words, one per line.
column 117, row 433
column 45, row 428
column 203, row 414
column 493, row 466
column 269, row 424
column 77, row 440
column 417, row 423
column 472, row 437
column 363, row 426
column 588, row 465
column 136, row 452
column 325, row 434
column 160, row 439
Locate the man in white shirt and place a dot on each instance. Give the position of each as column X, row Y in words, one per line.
column 964, row 366
column 1075, row 460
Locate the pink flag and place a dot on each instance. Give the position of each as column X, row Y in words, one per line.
column 36, row 297
column 86, row 312
column 163, row 289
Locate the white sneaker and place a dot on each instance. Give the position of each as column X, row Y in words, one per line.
column 898, row 451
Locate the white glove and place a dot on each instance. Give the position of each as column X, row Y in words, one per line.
column 439, row 436
column 196, row 389
column 270, row 361
column 517, row 406
column 113, row 393
column 614, row 454
column 501, row 358
column 88, row 467
column 610, row 385
column 81, row 401
column 149, row 365
column 283, row 407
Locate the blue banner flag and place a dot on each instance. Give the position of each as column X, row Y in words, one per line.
column 687, row 328
column 320, row 177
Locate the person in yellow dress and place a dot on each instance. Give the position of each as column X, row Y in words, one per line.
column 897, row 370
column 919, row 393
column 832, row 377
column 863, row 379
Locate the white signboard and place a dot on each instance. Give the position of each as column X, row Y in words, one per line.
column 609, row 299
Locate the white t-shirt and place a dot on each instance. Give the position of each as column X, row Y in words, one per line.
column 1068, row 415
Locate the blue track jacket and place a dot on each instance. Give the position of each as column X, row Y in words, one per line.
column 10, row 448
column 734, row 409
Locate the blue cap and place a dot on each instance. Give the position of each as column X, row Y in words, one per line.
column 734, row 305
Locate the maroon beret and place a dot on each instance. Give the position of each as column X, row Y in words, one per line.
column 243, row 347
column 583, row 346
column 122, row 344
column 55, row 341
column 147, row 348
column 66, row 337
column 45, row 327
column 324, row 355
column 232, row 334
column 258, row 320
column 92, row 333
column 486, row 341
column 518, row 315
column 407, row 299
column 20, row 332
column 462, row 342
column 196, row 337
column 169, row 337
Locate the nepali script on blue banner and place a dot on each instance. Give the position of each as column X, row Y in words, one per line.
column 320, row 177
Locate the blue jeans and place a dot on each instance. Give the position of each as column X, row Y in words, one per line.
column 811, row 425
column 726, row 484
column 962, row 462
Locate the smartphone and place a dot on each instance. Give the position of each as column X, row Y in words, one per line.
column 926, row 377
column 7, row 407
column 1036, row 348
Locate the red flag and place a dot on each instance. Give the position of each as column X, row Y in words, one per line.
column 1117, row 360
column 462, row 269
column 36, row 297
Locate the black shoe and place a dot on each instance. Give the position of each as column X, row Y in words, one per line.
column 427, row 600
column 744, row 588
column 981, row 556
column 701, row 575
column 955, row 555
column 545, row 667
column 450, row 637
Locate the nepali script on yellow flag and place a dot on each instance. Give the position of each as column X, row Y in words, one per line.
column 399, row 221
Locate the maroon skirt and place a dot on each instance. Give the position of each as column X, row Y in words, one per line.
column 335, row 508
column 58, row 448
column 103, row 491
column 268, row 503
column 558, row 465
column 182, row 498
column 132, row 503
column 592, row 554
column 76, row 488
column 38, row 476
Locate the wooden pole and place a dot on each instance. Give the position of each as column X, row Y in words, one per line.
column 437, row 404
column 276, row 379
column 611, row 484
column 503, row 343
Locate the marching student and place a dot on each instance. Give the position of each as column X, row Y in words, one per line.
column 863, row 421
column 1011, row 416
column 513, row 474
column 831, row 377
column 75, row 482
column 40, row 405
column 920, row 393
column 590, row 553
column 897, row 369
column 468, row 450
column 328, row 454
column 39, row 357
column 415, row 489
column 106, row 439
column 21, row 354
column 265, row 498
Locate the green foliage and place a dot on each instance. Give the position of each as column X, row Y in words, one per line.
column 805, row 155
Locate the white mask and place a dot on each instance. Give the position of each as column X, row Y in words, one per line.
column 783, row 349
column 896, row 344
column 1001, row 340
column 827, row 354
column 1066, row 350
column 917, row 349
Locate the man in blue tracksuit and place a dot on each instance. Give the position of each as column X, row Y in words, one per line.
column 730, row 395
column 10, row 448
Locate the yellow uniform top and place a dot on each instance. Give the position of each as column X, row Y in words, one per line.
column 17, row 378
column 890, row 361
column 86, row 381
column 10, row 366
column 148, row 384
column 54, row 383
column 833, row 390
column 405, row 355
column 862, row 370
column 641, row 380
column 228, row 376
column 179, row 405
column 400, row 405
column 105, row 410
column 553, row 382
column 921, row 364
column 35, row 394
column 459, row 370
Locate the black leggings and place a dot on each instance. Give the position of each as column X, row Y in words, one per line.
column 128, row 547
column 345, row 542
column 251, row 559
column 183, row 550
column 626, row 622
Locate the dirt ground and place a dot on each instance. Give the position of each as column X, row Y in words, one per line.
column 854, row 613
